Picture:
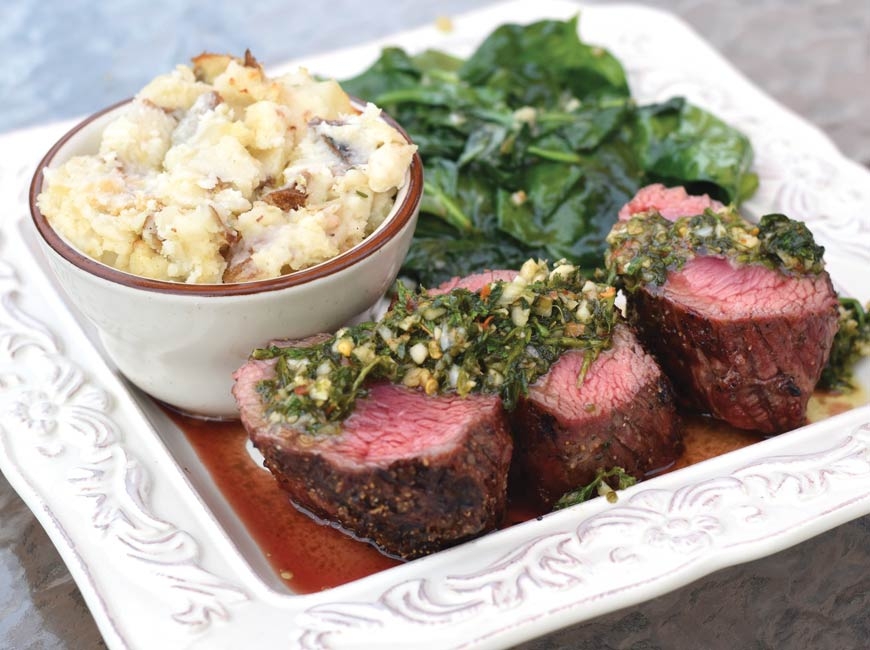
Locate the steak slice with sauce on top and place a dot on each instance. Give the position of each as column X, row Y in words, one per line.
column 742, row 342
column 622, row 415
column 745, row 344
column 411, row 473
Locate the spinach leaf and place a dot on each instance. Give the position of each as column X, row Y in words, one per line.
column 571, row 206
column 536, row 64
column 532, row 145
column 682, row 144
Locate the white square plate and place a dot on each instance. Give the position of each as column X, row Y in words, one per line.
column 163, row 561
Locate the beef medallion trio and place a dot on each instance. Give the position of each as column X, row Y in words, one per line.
column 409, row 431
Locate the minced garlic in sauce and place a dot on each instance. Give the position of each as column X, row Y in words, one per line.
column 498, row 340
column 217, row 173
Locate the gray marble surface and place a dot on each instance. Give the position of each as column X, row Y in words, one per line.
column 66, row 58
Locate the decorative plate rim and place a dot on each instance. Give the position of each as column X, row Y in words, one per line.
column 155, row 564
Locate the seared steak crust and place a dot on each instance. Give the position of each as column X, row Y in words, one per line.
column 410, row 508
column 622, row 415
column 410, row 473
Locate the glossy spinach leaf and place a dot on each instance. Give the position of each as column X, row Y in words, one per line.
column 532, row 145
column 539, row 64
column 570, row 207
column 679, row 143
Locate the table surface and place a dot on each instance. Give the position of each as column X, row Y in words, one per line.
column 67, row 59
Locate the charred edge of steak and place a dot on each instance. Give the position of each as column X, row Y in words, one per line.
column 554, row 456
column 755, row 374
column 413, row 507
column 555, row 461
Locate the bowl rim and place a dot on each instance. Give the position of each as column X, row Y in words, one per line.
column 399, row 217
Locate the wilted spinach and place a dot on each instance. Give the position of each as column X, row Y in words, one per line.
column 532, row 145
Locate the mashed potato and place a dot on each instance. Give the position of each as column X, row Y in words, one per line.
column 217, row 173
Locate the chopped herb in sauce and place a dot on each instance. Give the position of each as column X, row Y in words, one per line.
column 851, row 343
column 599, row 486
column 498, row 340
column 645, row 247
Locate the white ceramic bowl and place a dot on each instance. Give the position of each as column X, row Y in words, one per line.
column 180, row 342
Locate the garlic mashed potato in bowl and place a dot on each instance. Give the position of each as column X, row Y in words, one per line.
column 220, row 209
column 217, row 173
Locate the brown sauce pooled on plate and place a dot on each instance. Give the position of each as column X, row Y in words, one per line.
column 306, row 555
column 310, row 556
